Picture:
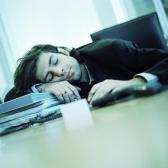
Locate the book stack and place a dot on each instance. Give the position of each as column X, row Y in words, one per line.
column 27, row 110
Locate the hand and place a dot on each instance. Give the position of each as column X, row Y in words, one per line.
column 63, row 90
column 109, row 86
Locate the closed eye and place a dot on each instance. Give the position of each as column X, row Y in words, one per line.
column 54, row 60
column 49, row 77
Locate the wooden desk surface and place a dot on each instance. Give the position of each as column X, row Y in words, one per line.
column 132, row 134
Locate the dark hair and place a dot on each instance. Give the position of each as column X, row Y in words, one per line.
column 24, row 76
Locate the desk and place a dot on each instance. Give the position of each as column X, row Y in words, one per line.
column 132, row 134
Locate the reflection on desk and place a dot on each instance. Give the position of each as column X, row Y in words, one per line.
column 131, row 135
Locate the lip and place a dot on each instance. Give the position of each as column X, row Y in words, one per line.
column 69, row 74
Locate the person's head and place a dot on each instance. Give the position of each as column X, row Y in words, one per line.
column 46, row 63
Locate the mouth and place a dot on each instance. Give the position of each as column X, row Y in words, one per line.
column 69, row 73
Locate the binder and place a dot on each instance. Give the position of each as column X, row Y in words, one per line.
column 27, row 101
column 27, row 110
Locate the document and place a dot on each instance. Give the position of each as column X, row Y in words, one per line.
column 76, row 115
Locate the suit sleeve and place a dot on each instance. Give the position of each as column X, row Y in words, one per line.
column 154, row 61
column 127, row 56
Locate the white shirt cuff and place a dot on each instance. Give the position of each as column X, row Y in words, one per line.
column 34, row 88
column 149, row 78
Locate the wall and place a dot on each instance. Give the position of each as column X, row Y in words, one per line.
column 31, row 22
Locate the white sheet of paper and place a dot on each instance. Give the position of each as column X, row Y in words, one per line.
column 76, row 115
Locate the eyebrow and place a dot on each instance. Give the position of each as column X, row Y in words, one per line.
column 49, row 63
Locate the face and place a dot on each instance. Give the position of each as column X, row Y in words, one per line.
column 52, row 67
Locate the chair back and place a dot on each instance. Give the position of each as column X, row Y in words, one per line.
column 145, row 31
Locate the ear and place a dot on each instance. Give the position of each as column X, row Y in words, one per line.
column 63, row 51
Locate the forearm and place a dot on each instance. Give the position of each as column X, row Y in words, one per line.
column 63, row 90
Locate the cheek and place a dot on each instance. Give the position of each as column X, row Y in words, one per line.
column 71, row 62
column 76, row 66
column 39, row 73
column 56, row 79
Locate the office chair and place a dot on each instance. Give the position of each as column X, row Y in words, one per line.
column 144, row 31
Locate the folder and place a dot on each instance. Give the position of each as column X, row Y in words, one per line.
column 27, row 110
column 27, row 101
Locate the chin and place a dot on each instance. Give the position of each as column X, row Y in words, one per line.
column 75, row 78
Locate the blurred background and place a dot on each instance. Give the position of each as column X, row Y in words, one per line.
column 67, row 23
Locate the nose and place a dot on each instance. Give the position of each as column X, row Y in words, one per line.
column 57, row 71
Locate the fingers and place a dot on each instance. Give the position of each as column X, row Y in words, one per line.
column 93, row 91
column 68, row 95
column 64, row 91
column 100, row 90
column 59, row 95
column 99, row 94
column 78, row 88
column 73, row 90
